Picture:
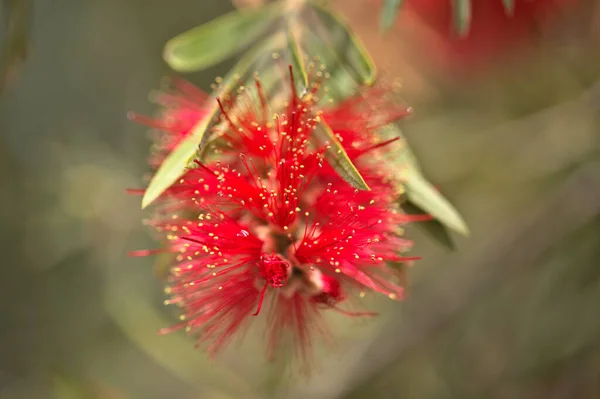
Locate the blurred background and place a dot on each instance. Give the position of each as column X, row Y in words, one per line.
column 510, row 312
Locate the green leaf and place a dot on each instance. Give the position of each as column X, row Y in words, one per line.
column 509, row 7
column 338, row 158
column 388, row 13
column 422, row 194
column 175, row 163
column 400, row 155
column 348, row 48
column 462, row 16
column 298, row 64
column 342, row 83
column 218, row 39
column 432, row 228
column 340, row 86
column 402, row 162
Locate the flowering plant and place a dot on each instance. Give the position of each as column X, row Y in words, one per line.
column 286, row 190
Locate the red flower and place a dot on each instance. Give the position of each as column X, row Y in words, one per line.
column 182, row 108
column 270, row 221
column 492, row 33
column 357, row 119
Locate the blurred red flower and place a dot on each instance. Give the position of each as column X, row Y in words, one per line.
column 493, row 32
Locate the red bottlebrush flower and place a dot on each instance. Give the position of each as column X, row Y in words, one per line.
column 356, row 120
column 183, row 106
column 268, row 221
column 356, row 237
column 493, row 32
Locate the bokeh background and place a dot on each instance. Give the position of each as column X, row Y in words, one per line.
column 512, row 312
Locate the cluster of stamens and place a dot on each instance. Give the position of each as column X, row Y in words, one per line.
column 270, row 217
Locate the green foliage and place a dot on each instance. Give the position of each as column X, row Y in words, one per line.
column 350, row 66
column 218, row 39
column 347, row 47
column 422, row 194
column 200, row 40
column 432, row 228
column 388, row 13
column 338, row 158
column 402, row 158
column 298, row 63
column 461, row 13
column 174, row 165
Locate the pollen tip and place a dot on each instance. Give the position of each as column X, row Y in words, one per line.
column 140, row 253
column 137, row 191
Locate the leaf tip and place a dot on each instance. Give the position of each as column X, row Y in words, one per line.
column 168, row 57
column 147, row 199
column 455, row 221
column 462, row 17
column 463, row 229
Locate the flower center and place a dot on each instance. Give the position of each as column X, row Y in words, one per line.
column 279, row 268
column 282, row 242
column 275, row 270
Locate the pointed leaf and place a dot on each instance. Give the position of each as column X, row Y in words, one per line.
column 298, row 64
column 338, row 158
column 388, row 13
column 402, row 163
column 422, row 194
column 399, row 155
column 432, row 228
column 348, row 48
column 509, row 7
column 461, row 12
column 342, row 82
column 218, row 39
column 175, row 163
